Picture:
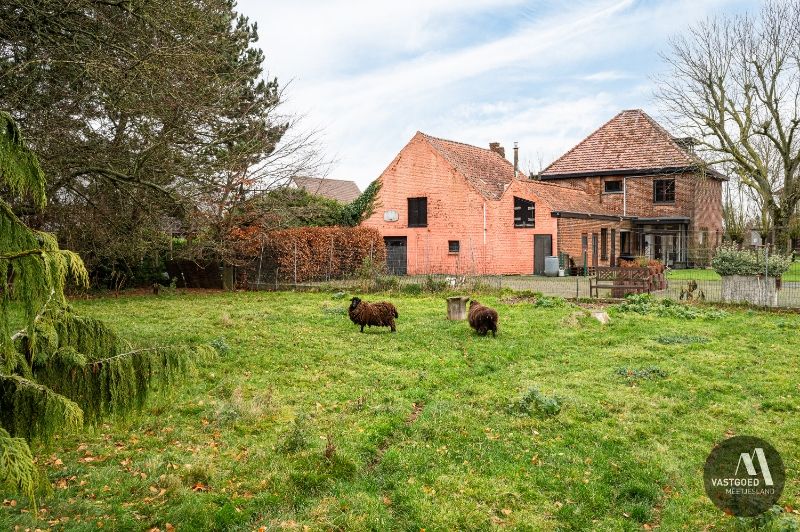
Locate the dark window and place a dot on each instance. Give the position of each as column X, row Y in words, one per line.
column 604, row 244
column 524, row 213
column 664, row 191
column 417, row 212
column 612, row 187
column 453, row 246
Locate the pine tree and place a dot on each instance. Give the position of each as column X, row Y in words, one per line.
column 60, row 370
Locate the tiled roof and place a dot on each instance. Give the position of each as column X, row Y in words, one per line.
column 486, row 170
column 562, row 198
column 337, row 189
column 631, row 141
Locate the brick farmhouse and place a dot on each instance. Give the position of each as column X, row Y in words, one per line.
column 628, row 189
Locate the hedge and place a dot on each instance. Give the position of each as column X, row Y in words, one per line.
column 321, row 253
column 729, row 260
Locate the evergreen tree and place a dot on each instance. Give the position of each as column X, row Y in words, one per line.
column 61, row 369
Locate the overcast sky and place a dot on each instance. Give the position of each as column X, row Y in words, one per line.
column 368, row 74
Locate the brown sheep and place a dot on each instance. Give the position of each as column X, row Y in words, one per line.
column 482, row 319
column 380, row 314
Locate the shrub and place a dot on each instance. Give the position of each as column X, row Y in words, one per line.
column 323, row 252
column 730, row 260
column 535, row 401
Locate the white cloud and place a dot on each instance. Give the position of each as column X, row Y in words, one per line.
column 370, row 74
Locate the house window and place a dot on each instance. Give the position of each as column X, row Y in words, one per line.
column 603, row 244
column 664, row 191
column 453, row 246
column 417, row 212
column 524, row 213
column 612, row 187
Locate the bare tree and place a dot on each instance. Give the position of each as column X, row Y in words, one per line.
column 734, row 85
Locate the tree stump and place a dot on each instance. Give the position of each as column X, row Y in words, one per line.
column 457, row 307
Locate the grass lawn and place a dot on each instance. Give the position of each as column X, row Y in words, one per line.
column 417, row 425
column 699, row 274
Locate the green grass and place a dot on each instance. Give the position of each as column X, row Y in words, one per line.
column 700, row 274
column 558, row 423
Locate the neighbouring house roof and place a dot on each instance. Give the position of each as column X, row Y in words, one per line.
column 564, row 200
column 631, row 143
column 336, row 189
column 485, row 169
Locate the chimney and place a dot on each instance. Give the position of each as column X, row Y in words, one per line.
column 498, row 149
column 516, row 159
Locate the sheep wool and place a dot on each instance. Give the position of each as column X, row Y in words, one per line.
column 380, row 314
column 481, row 318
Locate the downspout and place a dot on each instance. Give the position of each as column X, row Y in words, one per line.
column 484, row 224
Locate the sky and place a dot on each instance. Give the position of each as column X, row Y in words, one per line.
column 368, row 74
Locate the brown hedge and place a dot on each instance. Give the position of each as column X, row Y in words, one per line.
column 322, row 252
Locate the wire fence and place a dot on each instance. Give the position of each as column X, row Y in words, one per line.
column 368, row 271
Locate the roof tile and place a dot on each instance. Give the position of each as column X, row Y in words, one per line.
column 485, row 169
column 632, row 140
column 336, row 189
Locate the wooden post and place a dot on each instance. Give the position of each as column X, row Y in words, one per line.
column 457, row 307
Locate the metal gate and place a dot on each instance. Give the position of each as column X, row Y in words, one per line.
column 396, row 254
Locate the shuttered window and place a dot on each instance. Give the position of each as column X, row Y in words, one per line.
column 417, row 212
column 524, row 213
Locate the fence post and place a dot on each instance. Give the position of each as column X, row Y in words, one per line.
column 260, row 261
column 295, row 264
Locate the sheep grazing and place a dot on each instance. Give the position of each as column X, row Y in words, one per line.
column 380, row 314
column 481, row 318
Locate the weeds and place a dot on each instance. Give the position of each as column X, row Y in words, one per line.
column 634, row 375
column 534, row 401
column 297, row 437
column 220, row 345
column 677, row 339
column 667, row 308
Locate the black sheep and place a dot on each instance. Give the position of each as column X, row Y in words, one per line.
column 380, row 314
column 481, row 318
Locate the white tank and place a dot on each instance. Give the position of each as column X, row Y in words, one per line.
column 551, row 266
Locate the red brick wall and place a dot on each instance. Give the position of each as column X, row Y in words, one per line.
column 695, row 196
column 570, row 231
column 455, row 212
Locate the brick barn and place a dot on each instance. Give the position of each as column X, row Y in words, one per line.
column 448, row 207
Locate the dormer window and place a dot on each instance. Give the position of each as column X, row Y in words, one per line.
column 612, row 186
column 524, row 213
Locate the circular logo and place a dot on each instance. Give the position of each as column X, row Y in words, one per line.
column 744, row 476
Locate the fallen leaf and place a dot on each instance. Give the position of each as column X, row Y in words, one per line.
column 506, row 511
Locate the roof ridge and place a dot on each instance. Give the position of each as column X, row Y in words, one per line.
column 455, row 142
